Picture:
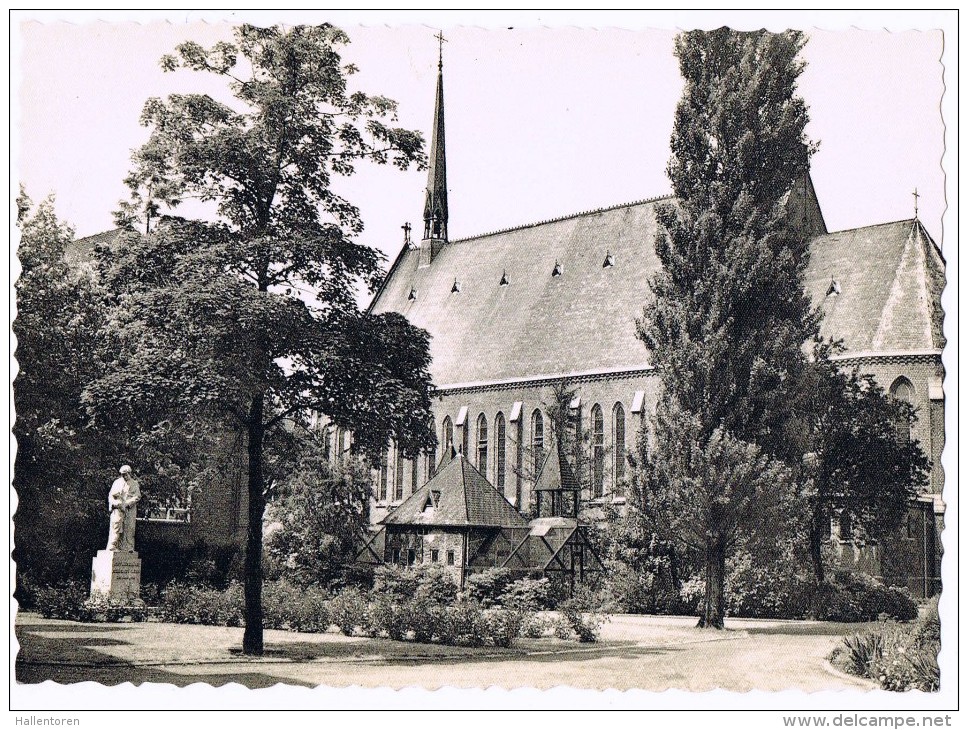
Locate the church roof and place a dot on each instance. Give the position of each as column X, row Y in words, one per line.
column 583, row 319
column 457, row 496
column 538, row 323
column 887, row 281
column 81, row 250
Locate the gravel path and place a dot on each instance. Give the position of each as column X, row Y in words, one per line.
column 646, row 652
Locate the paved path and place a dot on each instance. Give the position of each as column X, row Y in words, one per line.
column 653, row 653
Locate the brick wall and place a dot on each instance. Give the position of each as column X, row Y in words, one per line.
column 605, row 391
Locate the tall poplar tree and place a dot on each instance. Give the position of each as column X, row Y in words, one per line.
column 730, row 317
column 252, row 314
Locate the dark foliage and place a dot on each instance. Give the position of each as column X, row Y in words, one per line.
column 730, row 316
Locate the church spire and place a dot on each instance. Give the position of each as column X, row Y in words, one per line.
column 435, row 205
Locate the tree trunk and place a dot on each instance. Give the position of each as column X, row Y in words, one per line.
column 816, row 547
column 714, row 601
column 816, row 558
column 252, row 638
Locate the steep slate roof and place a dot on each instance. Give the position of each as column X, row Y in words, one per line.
column 466, row 499
column 81, row 250
column 890, row 279
column 537, row 324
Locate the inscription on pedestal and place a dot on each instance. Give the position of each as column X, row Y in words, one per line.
column 116, row 575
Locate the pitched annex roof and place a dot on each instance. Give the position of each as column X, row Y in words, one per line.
column 890, row 277
column 457, row 496
column 81, row 250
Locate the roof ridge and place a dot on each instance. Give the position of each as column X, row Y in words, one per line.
column 872, row 225
column 556, row 219
column 98, row 235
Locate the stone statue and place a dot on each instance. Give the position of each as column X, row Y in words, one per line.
column 123, row 504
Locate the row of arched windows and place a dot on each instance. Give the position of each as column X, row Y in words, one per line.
column 496, row 467
column 491, row 449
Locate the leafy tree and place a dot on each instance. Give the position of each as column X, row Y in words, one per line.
column 59, row 314
column 730, row 315
column 857, row 462
column 320, row 515
column 253, row 314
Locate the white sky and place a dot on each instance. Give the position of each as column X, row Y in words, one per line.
column 541, row 121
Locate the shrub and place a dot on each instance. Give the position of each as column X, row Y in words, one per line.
column 758, row 590
column 286, row 606
column 503, row 626
column 526, row 594
column 533, row 626
column 465, row 625
column 642, row 591
column 581, row 618
column 861, row 651
column 396, row 580
column 435, row 585
column 389, row 615
column 925, row 674
column 898, row 657
column 855, row 597
column 487, row 586
column 70, row 601
column 428, row 620
column 348, row 610
column 186, row 604
column 928, row 627
column 64, row 601
column 100, row 608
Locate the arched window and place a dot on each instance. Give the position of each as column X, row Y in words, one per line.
column 447, row 435
column 414, row 465
column 846, row 527
column 382, row 480
column 500, row 449
column 902, row 390
column 338, row 450
column 537, row 440
column 618, row 438
column 598, row 451
column 398, row 473
column 482, row 444
column 432, row 454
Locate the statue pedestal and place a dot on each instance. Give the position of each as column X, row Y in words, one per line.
column 116, row 576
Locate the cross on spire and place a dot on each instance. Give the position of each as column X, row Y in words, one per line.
column 916, row 196
column 440, row 41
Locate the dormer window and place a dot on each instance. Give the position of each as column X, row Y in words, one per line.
column 609, row 260
column 455, row 288
column 834, row 289
column 412, row 296
column 557, row 270
column 504, row 279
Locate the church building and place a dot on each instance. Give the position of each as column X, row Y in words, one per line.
column 513, row 312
